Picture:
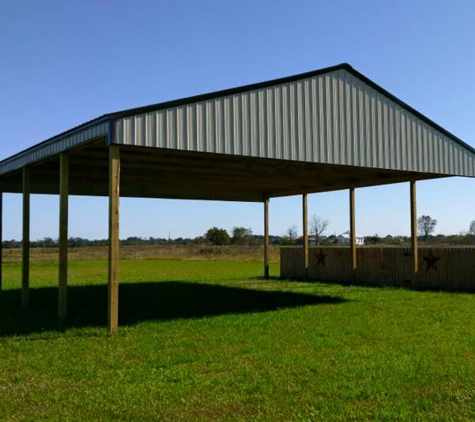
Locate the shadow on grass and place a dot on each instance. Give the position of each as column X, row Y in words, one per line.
column 403, row 286
column 270, row 278
column 138, row 302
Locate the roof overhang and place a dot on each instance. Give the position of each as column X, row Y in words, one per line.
column 162, row 173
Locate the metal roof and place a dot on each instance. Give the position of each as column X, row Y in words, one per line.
column 333, row 119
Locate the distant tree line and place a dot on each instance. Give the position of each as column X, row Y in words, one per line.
column 214, row 236
column 425, row 227
column 77, row 242
column 242, row 236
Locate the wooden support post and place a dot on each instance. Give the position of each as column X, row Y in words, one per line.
column 25, row 274
column 1, row 241
column 63, row 235
column 352, row 229
column 305, row 235
column 414, row 227
column 114, row 185
column 266, row 238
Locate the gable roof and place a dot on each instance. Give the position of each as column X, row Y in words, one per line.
column 279, row 81
column 108, row 117
column 334, row 119
column 330, row 116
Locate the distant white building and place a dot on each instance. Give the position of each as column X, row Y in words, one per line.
column 344, row 239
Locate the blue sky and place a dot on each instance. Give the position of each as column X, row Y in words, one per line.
column 63, row 63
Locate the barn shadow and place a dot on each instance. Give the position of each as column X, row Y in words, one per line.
column 139, row 302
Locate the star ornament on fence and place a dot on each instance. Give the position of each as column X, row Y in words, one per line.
column 431, row 261
column 320, row 258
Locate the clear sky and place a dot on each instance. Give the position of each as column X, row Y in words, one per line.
column 65, row 62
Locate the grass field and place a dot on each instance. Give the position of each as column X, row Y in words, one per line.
column 210, row 340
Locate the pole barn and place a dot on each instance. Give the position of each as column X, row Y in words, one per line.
column 325, row 130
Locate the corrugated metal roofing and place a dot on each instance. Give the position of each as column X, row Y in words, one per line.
column 330, row 118
column 55, row 146
column 333, row 116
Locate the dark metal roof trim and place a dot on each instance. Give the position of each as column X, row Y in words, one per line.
column 408, row 107
column 68, row 132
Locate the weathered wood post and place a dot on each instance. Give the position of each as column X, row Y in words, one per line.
column 1, row 242
column 25, row 244
column 266, row 238
column 63, row 235
column 414, row 245
column 305, row 235
column 353, row 230
column 114, row 186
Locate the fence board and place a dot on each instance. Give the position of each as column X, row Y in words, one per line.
column 444, row 268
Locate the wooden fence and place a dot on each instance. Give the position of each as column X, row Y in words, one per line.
column 444, row 268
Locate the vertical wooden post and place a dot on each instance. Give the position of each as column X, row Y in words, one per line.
column 305, row 235
column 25, row 274
column 266, row 238
column 63, row 235
column 352, row 229
column 414, row 227
column 1, row 242
column 114, row 185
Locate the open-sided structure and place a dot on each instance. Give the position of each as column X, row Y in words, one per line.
column 324, row 130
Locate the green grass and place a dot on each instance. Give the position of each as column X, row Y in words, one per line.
column 204, row 340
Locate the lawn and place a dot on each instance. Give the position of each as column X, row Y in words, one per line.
column 211, row 340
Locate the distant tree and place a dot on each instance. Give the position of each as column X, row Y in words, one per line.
column 398, row 240
column 75, row 242
column 426, row 225
column 133, row 240
column 200, row 240
column 471, row 230
column 318, row 226
column 372, row 240
column 7, row 244
column 46, row 242
column 242, row 236
column 292, row 232
column 217, row 236
column 290, row 236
